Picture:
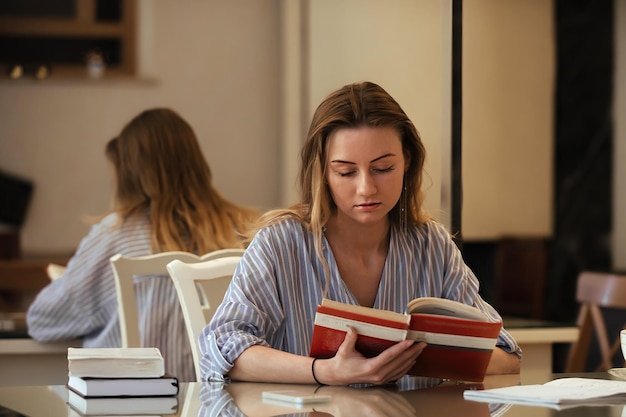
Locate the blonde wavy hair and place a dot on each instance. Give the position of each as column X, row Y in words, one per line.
column 159, row 167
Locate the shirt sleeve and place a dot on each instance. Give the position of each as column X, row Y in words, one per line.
column 249, row 315
column 71, row 306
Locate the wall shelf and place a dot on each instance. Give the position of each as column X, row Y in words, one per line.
column 63, row 38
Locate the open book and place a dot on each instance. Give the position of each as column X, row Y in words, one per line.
column 460, row 338
column 558, row 394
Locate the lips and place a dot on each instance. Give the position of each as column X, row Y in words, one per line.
column 368, row 206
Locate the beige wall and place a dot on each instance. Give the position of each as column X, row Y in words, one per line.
column 508, row 79
column 399, row 44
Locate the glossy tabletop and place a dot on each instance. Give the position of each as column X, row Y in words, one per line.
column 423, row 397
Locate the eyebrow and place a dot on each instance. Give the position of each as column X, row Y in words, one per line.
column 340, row 161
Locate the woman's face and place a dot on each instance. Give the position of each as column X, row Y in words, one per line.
column 364, row 171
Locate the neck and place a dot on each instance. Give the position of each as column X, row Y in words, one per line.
column 358, row 237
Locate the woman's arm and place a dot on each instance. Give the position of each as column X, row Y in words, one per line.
column 348, row 366
column 502, row 362
column 83, row 300
column 52, row 314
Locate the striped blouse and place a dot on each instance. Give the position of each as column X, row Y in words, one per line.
column 279, row 283
column 83, row 302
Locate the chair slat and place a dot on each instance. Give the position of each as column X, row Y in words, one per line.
column 212, row 279
column 596, row 291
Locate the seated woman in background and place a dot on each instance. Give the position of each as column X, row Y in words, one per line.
column 163, row 201
column 358, row 236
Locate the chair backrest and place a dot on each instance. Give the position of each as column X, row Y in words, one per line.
column 596, row 291
column 201, row 287
column 125, row 268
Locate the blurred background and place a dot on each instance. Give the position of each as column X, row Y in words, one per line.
column 541, row 83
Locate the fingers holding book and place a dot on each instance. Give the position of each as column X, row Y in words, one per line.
column 350, row 366
column 395, row 362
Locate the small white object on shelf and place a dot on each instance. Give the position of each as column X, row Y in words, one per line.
column 95, row 64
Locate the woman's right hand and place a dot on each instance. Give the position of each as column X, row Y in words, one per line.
column 349, row 366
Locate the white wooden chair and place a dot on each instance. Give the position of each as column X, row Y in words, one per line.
column 201, row 287
column 126, row 268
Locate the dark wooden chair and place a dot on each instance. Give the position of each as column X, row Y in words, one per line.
column 596, row 291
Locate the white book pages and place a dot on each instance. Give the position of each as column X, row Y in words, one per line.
column 115, row 362
column 559, row 393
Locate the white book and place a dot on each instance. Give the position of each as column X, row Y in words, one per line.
column 143, row 406
column 558, row 394
column 115, row 362
column 123, row 387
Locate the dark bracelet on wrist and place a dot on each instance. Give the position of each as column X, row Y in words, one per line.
column 313, row 372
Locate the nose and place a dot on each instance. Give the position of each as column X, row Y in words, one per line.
column 366, row 185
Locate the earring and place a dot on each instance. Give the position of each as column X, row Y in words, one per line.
column 403, row 208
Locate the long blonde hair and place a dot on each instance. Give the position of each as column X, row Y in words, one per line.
column 159, row 167
column 353, row 105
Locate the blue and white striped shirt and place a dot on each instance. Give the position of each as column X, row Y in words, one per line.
column 83, row 302
column 279, row 283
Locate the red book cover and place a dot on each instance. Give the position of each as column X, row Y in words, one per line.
column 456, row 348
column 377, row 329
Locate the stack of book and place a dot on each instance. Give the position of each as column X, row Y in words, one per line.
column 117, row 381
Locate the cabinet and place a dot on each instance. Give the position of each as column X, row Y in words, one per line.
column 59, row 35
column 521, row 267
column 513, row 273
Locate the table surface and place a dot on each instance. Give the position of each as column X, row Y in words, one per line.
column 423, row 397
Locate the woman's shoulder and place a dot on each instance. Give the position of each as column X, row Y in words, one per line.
column 109, row 237
column 430, row 234
column 430, row 238
column 282, row 235
column 284, row 227
column 111, row 223
column 105, row 225
column 429, row 228
column 111, row 231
